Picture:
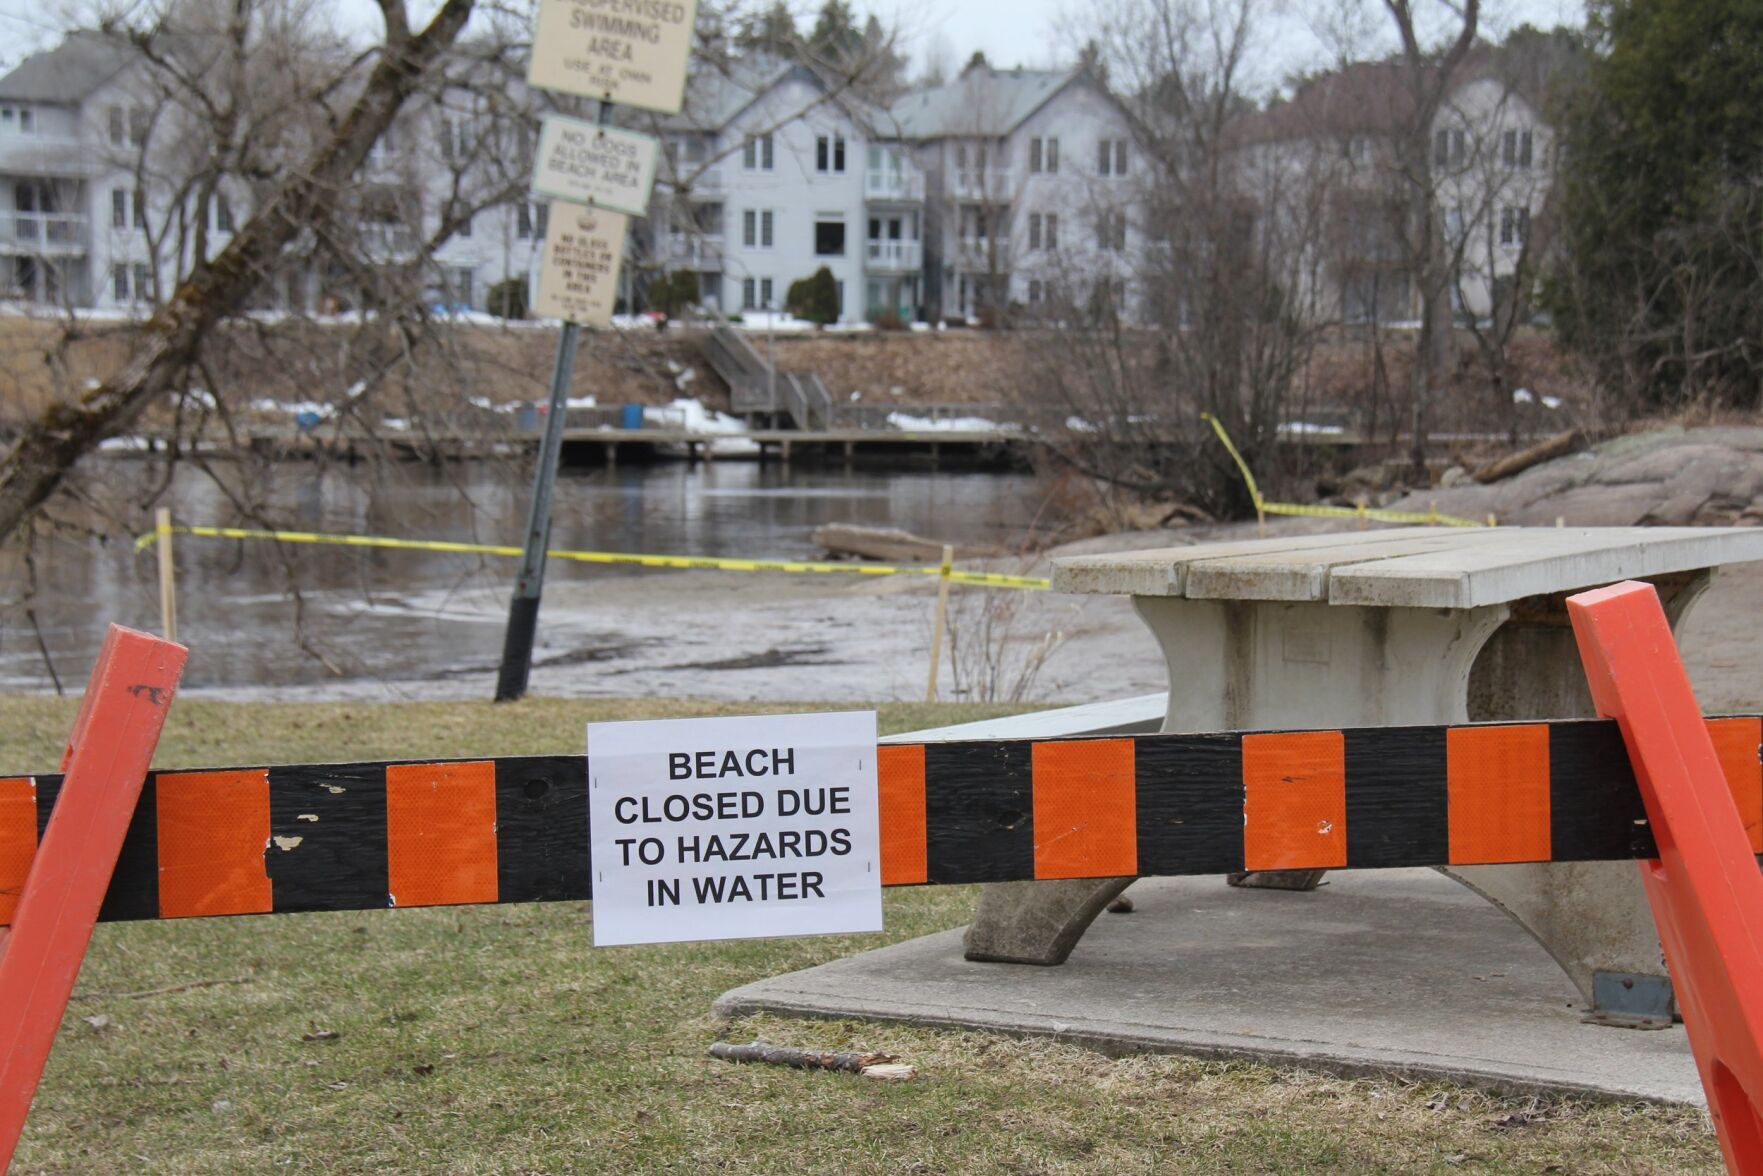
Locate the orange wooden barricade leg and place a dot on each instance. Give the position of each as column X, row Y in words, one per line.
column 1705, row 888
column 113, row 740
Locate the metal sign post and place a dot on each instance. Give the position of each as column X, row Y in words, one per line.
column 639, row 60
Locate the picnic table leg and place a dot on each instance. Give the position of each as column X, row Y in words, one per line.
column 1592, row 917
column 1258, row 665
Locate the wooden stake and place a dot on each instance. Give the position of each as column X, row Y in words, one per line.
column 936, row 629
column 168, row 588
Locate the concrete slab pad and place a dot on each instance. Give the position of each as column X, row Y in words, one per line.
column 1397, row 972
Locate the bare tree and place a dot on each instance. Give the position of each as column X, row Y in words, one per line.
column 1227, row 224
column 364, row 98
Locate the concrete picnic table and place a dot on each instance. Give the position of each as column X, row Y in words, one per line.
column 1395, row 627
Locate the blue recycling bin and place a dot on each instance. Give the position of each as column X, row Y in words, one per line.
column 633, row 416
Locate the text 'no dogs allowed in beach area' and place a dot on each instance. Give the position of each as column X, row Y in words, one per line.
column 734, row 828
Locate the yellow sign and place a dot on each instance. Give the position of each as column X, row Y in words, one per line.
column 632, row 52
column 578, row 279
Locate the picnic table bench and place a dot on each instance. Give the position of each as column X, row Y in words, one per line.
column 1413, row 626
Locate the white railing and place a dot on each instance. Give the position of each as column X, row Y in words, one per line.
column 387, row 239
column 893, row 185
column 696, row 252
column 702, row 181
column 47, row 230
column 893, row 255
column 990, row 182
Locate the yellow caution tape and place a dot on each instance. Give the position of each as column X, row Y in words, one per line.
column 702, row 562
column 1430, row 518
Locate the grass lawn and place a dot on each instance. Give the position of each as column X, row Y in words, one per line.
column 494, row 1039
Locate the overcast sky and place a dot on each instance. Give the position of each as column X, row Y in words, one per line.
column 1011, row 32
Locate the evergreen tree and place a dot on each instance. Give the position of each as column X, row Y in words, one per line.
column 836, row 40
column 1659, row 285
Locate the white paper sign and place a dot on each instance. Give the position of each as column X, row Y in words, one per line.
column 632, row 52
column 734, row 828
column 578, row 273
column 586, row 163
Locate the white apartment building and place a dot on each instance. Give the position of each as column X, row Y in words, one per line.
column 769, row 176
column 78, row 227
column 1333, row 146
column 1029, row 195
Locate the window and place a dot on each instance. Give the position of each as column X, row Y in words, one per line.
column 1051, row 235
column 119, row 281
column 461, row 283
column 7, row 114
column 748, row 291
column 541, row 218
column 26, row 120
column 1053, row 156
column 1111, row 157
column 765, row 223
column 1515, row 148
column 1034, row 230
column 1034, row 291
column 1035, row 155
column 756, row 228
column 829, row 238
column 119, row 208
column 137, row 126
column 118, row 128
column 143, row 282
column 523, row 216
column 455, row 138
column 1448, row 147
column 140, row 210
column 1111, row 231
column 756, row 153
column 765, row 291
column 829, row 153
column 223, row 216
column 1514, row 225
column 1043, row 156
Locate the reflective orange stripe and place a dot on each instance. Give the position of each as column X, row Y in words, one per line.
column 18, row 839
column 1295, row 801
column 1736, row 742
column 1086, row 819
column 441, row 833
column 1497, row 780
column 900, row 783
column 213, row 830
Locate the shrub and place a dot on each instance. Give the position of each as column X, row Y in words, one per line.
column 507, row 299
column 671, row 293
column 815, row 298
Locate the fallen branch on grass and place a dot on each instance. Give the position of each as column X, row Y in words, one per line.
column 157, row 991
column 870, row 1065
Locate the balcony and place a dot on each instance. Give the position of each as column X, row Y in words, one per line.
column 58, row 234
column 899, row 256
column 974, row 255
column 992, row 183
column 386, row 241
column 898, row 185
column 701, row 183
column 698, row 253
column 43, row 155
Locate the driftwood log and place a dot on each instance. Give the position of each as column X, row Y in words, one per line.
column 887, row 544
column 800, row 1059
column 1559, row 445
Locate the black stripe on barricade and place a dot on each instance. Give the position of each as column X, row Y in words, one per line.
column 542, row 828
column 1595, row 808
column 979, row 811
column 327, row 837
column 134, row 884
column 1190, row 803
column 1397, row 798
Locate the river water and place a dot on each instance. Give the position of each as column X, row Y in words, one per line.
column 261, row 616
